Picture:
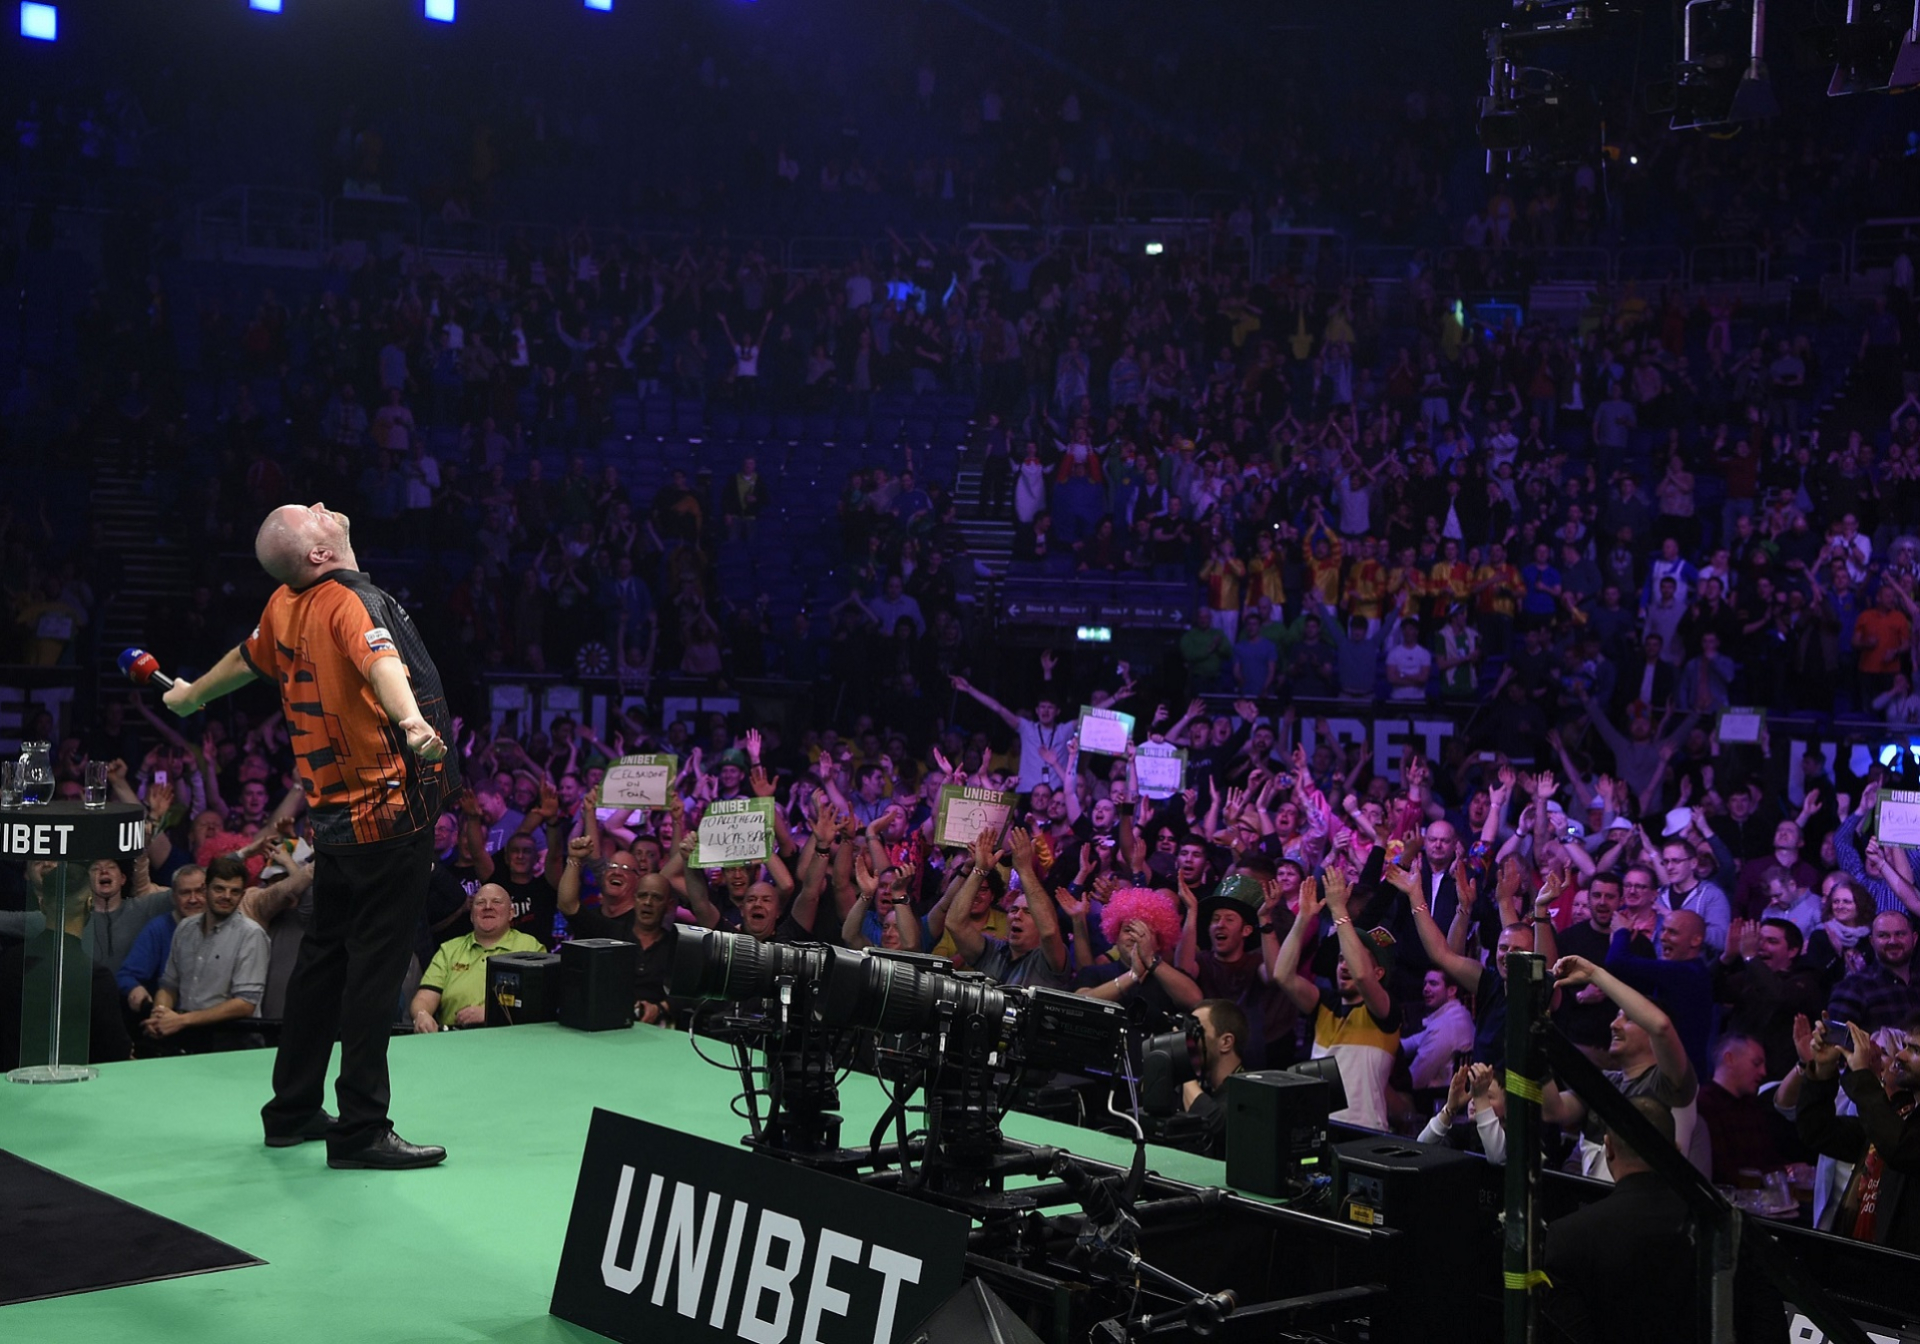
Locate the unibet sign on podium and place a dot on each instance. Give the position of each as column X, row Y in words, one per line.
column 679, row 1240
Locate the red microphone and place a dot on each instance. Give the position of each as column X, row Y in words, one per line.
column 142, row 667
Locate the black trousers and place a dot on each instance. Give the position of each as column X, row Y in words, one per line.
column 366, row 906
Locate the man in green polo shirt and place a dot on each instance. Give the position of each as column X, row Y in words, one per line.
column 1205, row 651
column 453, row 992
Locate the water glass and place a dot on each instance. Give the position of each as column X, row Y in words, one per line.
column 9, row 784
column 94, row 785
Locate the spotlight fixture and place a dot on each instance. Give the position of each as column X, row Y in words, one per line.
column 1877, row 48
column 1722, row 78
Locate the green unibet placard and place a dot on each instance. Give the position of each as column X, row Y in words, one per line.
column 1105, row 732
column 735, row 831
column 1896, row 818
column 964, row 813
column 1741, row 725
column 1160, row 770
column 639, row 781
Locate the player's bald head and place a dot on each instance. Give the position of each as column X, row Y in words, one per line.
column 282, row 543
column 299, row 542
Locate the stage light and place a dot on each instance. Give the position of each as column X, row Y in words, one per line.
column 1876, row 49
column 265, row 6
column 440, row 11
column 39, row 22
column 604, row 6
column 1721, row 78
column 1155, row 249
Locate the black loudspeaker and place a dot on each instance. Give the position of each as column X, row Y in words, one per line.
column 975, row 1314
column 1430, row 1194
column 1276, row 1127
column 596, row 983
column 522, row 987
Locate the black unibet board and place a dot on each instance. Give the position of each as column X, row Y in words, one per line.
column 679, row 1240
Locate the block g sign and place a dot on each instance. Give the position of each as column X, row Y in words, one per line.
column 679, row 1240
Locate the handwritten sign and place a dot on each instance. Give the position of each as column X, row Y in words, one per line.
column 1896, row 821
column 965, row 812
column 1160, row 769
column 734, row 832
column 1105, row 732
column 1742, row 725
column 639, row 781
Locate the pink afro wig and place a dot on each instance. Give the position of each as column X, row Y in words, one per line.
column 226, row 842
column 1154, row 908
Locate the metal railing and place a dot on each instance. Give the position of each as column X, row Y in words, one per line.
column 386, row 222
column 287, row 222
column 1658, row 263
column 262, row 219
column 1877, row 243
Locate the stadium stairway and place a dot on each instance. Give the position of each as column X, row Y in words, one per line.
column 126, row 516
column 989, row 540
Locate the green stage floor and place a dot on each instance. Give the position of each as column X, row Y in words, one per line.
column 465, row 1251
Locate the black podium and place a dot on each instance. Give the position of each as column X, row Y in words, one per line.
column 53, row 844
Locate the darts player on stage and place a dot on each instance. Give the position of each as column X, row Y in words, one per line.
column 369, row 724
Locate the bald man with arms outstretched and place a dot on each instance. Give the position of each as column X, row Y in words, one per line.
column 368, row 722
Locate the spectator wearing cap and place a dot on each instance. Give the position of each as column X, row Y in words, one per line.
column 732, row 773
column 1241, row 934
column 1355, row 1019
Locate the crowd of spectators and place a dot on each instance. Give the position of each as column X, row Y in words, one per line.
column 1585, row 542
column 1705, row 952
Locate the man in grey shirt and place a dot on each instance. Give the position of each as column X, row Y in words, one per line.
column 216, row 973
column 1034, row 952
column 114, row 922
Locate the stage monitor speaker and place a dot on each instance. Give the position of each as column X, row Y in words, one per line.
column 596, row 983
column 1431, row 1195
column 522, row 987
column 1276, row 1125
column 975, row 1314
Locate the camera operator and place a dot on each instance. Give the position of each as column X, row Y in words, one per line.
column 1223, row 1026
column 1033, row 952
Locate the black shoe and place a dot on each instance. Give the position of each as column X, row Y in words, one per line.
column 389, row 1152
column 316, row 1127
